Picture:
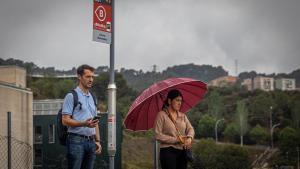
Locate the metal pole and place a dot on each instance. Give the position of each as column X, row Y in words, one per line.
column 298, row 157
column 155, row 154
column 272, row 129
column 271, row 124
column 216, row 129
column 9, row 140
column 112, row 96
column 112, row 45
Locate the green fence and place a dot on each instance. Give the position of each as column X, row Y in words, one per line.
column 49, row 154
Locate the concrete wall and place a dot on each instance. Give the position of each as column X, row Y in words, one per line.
column 14, row 75
column 15, row 98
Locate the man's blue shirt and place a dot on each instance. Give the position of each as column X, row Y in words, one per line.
column 84, row 110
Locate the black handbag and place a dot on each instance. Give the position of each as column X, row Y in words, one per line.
column 189, row 155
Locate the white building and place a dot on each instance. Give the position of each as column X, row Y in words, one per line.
column 285, row 84
column 248, row 84
column 263, row 83
column 47, row 107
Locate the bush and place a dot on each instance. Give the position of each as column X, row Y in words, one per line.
column 258, row 134
column 232, row 133
column 233, row 156
column 205, row 153
column 288, row 143
column 209, row 155
column 206, row 126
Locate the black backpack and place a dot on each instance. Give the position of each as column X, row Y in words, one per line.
column 62, row 130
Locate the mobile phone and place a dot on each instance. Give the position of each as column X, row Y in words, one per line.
column 96, row 117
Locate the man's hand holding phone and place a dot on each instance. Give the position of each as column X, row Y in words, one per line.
column 96, row 118
column 92, row 122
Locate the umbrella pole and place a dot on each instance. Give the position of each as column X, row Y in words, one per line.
column 156, row 154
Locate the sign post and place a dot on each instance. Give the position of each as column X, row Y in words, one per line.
column 103, row 31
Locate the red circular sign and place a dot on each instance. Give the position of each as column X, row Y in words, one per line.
column 100, row 13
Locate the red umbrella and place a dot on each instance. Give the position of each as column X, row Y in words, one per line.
column 144, row 109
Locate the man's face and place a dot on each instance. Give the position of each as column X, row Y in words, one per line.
column 86, row 80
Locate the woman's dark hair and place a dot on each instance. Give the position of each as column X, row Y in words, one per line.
column 171, row 95
column 80, row 69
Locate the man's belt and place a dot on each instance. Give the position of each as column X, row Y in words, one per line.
column 92, row 137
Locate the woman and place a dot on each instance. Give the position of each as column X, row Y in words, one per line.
column 174, row 132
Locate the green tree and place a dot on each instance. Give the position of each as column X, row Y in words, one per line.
column 215, row 104
column 282, row 109
column 50, row 87
column 258, row 134
column 125, row 95
column 242, row 117
column 205, row 127
column 296, row 114
column 62, row 87
column 232, row 132
column 259, row 109
column 288, row 143
column 194, row 116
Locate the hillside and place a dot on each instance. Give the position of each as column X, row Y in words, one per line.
column 139, row 80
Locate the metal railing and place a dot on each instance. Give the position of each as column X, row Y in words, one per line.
column 20, row 153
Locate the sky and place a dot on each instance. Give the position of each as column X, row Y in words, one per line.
column 262, row 35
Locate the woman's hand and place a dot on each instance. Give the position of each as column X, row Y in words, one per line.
column 188, row 143
column 181, row 139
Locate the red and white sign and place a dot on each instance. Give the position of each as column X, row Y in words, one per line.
column 102, row 18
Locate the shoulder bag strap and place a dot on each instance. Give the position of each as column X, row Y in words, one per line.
column 173, row 120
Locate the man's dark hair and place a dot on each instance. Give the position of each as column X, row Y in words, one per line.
column 80, row 69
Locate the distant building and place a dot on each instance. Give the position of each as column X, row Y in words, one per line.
column 47, row 151
column 285, row 84
column 223, row 81
column 263, row 83
column 47, row 107
column 248, row 83
column 17, row 99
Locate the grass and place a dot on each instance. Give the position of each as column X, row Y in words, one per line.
column 137, row 152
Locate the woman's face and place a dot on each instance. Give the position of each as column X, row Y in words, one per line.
column 176, row 103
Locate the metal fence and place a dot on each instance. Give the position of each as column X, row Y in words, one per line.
column 18, row 157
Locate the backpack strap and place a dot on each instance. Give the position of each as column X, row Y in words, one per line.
column 94, row 98
column 75, row 99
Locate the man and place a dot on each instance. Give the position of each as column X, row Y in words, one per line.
column 83, row 140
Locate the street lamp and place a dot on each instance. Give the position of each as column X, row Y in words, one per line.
column 216, row 128
column 272, row 129
column 271, row 109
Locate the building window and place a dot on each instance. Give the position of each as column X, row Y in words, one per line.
column 38, row 157
column 51, row 133
column 38, row 135
column 288, row 84
column 267, row 84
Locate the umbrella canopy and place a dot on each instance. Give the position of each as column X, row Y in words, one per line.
column 143, row 111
